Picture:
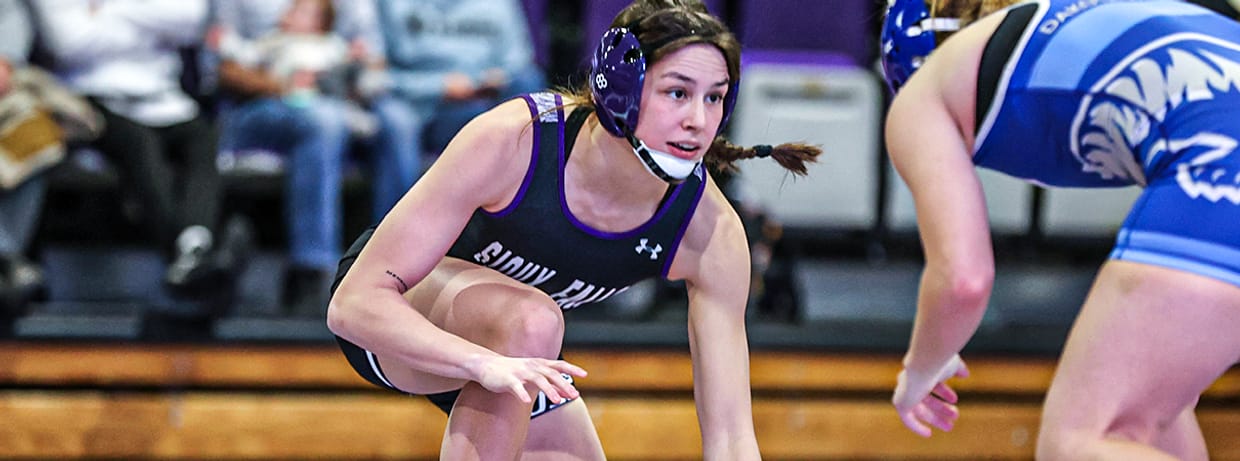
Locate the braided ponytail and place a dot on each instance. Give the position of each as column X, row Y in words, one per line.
column 792, row 156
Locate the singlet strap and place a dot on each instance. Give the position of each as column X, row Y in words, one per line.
column 546, row 109
column 995, row 57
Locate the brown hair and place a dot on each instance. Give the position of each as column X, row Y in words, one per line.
column 965, row 10
column 665, row 26
column 327, row 13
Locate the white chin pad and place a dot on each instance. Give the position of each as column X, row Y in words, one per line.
column 670, row 166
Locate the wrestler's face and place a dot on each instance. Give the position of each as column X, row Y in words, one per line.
column 682, row 101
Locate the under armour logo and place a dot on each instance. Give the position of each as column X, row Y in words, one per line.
column 644, row 245
column 600, row 81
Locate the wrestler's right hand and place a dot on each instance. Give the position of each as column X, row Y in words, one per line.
column 501, row 374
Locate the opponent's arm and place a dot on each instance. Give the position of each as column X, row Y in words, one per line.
column 715, row 257
column 930, row 148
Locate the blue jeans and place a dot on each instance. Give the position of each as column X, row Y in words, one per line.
column 446, row 119
column 396, row 162
column 19, row 214
column 315, row 138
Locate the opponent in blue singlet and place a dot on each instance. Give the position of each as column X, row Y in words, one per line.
column 1090, row 94
column 1149, row 98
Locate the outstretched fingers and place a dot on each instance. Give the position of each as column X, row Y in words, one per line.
column 568, row 368
column 931, row 412
column 938, row 413
column 924, row 400
column 554, row 386
column 563, row 385
column 552, row 378
column 945, row 392
column 910, row 420
column 520, row 376
column 518, row 390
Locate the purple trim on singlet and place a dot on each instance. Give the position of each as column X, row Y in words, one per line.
column 667, row 204
column 587, row 228
column 534, row 144
column 684, row 225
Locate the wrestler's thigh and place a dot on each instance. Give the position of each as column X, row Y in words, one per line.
column 469, row 301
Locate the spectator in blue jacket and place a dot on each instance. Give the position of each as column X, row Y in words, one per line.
column 453, row 59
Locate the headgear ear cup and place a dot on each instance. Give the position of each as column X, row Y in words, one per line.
column 617, row 72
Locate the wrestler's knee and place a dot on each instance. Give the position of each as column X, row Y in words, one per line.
column 1056, row 443
column 1066, row 441
column 524, row 323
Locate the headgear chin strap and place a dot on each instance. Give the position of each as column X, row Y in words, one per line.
column 663, row 165
column 908, row 37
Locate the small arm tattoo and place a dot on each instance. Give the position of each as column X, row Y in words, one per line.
column 404, row 286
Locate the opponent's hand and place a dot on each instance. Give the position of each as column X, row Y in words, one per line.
column 513, row 374
column 924, row 398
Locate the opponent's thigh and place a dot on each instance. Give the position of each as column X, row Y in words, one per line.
column 1148, row 341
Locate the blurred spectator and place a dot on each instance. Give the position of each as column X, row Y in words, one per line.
column 454, row 59
column 37, row 116
column 313, row 133
column 306, row 57
column 124, row 56
column 17, row 28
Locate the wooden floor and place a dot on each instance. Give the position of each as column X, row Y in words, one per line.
column 134, row 401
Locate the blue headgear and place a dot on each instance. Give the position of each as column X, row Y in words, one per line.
column 617, row 73
column 908, row 37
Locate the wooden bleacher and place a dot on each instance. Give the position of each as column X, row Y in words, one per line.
column 258, row 402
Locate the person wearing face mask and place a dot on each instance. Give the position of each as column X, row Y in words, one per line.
column 550, row 202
